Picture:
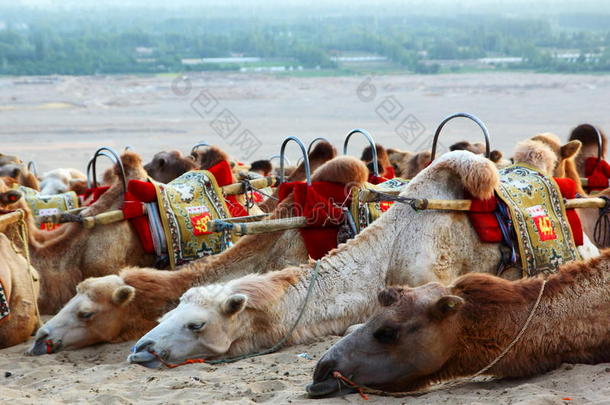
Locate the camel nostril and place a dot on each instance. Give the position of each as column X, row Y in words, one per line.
column 323, row 370
column 141, row 346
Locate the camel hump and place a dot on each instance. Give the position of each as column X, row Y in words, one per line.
column 342, row 169
column 478, row 174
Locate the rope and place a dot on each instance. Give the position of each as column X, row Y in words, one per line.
column 600, row 232
column 363, row 390
column 272, row 349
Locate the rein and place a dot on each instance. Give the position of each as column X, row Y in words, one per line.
column 272, row 349
column 363, row 390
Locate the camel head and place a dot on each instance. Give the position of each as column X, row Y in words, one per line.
column 546, row 153
column 210, row 320
column 587, row 135
column 409, row 338
column 408, row 164
column 95, row 314
column 205, row 324
column 166, row 166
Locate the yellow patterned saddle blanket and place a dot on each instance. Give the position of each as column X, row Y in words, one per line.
column 186, row 205
column 365, row 213
column 4, row 308
column 538, row 215
column 42, row 205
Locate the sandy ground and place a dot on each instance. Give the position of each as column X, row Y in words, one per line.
column 59, row 123
column 100, row 375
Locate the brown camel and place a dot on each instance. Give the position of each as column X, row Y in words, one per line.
column 118, row 308
column 435, row 333
column 587, row 135
column 21, row 292
column 407, row 164
column 71, row 253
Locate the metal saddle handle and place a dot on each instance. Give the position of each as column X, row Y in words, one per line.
column 305, row 158
column 92, row 169
column 371, row 142
column 464, row 115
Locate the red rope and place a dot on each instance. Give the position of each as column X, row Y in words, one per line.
column 174, row 365
column 352, row 384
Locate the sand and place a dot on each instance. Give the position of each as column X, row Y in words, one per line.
column 58, row 122
column 100, row 375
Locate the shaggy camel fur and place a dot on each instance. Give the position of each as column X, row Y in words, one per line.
column 156, row 292
column 586, row 134
column 402, row 246
column 562, row 164
column 17, row 281
column 71, row 253
column 435, row 333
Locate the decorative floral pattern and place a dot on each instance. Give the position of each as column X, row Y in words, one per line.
column 183, row 203
column 538, row 214
column 4, row 309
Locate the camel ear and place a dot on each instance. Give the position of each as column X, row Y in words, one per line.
column 495, row 156
column 570, row 149
column 389, row 296
column 123, row 295
column 447, row 305
column 234, row 304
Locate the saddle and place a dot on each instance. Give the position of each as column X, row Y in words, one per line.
column 528, row 214
column 42, row 205
column 174, row 228
column 322, row 204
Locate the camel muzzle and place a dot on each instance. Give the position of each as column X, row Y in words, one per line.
column 43, row 345
column 142, row 354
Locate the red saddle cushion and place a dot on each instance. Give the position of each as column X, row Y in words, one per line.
column 597, row 174
column 320, row 203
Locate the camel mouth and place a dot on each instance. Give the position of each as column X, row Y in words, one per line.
column 145, row 359
column 326, row 388
column 44, row 346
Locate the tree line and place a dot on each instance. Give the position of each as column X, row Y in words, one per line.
column 35, row 43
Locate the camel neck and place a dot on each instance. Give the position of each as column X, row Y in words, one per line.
column 344, row 293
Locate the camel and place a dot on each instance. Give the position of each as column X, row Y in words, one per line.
column 402, row 247
column 479, row 149
column 20, row 173
column 62, row 180
column 166, row 166
column 71, row 253
column 17, row 281
column 587, row 135
column 407, row 164
column 386, row 169
column 565, row 165
column 435, row 333
column 118, row 308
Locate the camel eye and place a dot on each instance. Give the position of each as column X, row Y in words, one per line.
column 195, row 327
column 85, row 315
column 386, row 335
